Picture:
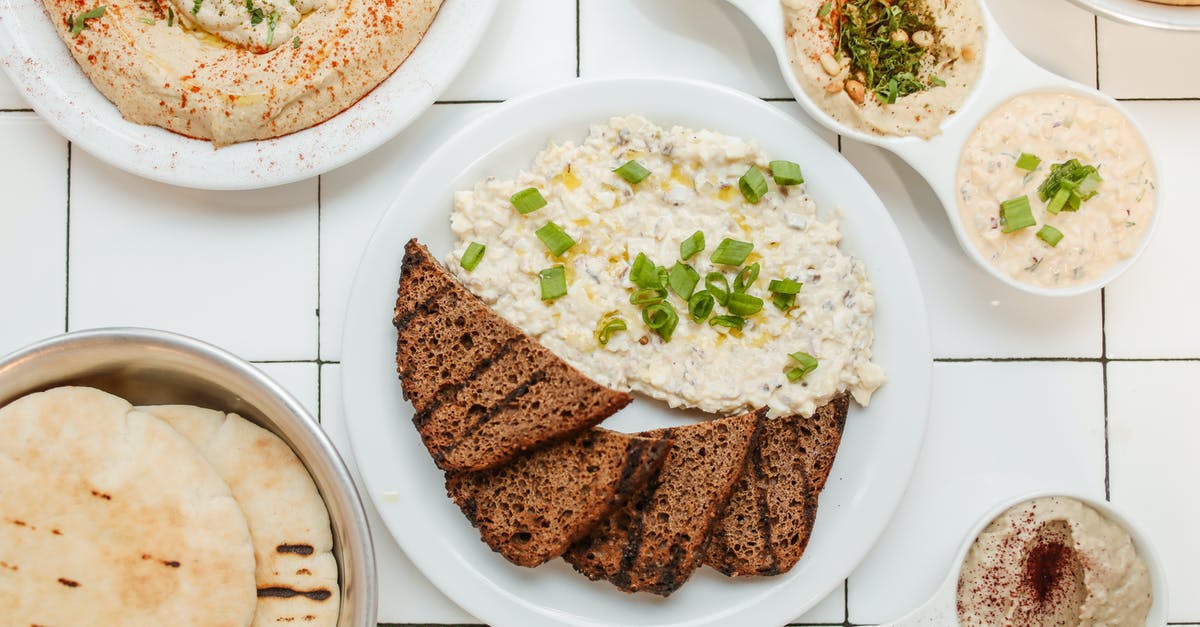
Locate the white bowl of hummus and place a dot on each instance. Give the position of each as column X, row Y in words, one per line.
column 1051, row 559
column 1003, row 75
column 229, row 94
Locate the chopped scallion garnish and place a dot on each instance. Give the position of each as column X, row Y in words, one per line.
column 607, row 326
column 700, row 305
column 528, row 200
column 553, row 282
column 745, row 278
column 784, row 301
column 644, row 273
column 785, row 286
column 718, row 286
column 1028, row 162
column 1050, row 235
column 555, row 239
column 170, row 17
column 647, row 296
column 731, row 252
column 683, row 279
column 937, row 82
column 633, row 172
column 662, row 318
column 1059, row 201
column 1015, row 214
column 786, row 173
column 79, row 22
column 744, row 304
column 732, row 322
column 753, row 184
column 472, row 256
column 807, row 363
column 691, row 245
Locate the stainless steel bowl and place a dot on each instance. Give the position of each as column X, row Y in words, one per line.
column 149, row 367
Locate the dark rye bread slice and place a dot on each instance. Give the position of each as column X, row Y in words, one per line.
column 658, row 539
column 483, row 391
column 770, row 515
column 532, row 508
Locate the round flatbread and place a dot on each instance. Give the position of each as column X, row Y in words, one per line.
column 296, row 573
column 110, row 517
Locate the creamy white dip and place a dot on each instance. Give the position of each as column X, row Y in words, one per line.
column 693, row 187
column 256, row 24
column 1056, row 127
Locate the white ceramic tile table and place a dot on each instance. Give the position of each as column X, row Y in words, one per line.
column 1105, row 407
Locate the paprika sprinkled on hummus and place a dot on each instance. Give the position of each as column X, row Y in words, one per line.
column 233, row 71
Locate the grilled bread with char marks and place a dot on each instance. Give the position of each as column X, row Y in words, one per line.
column 483, row 391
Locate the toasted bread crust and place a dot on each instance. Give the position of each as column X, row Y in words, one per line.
column 483, row 391
column 766, row 527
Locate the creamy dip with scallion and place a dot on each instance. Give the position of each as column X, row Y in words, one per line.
column 690, row 185
column 1056, row 128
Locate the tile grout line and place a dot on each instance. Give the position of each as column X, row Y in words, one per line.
column 1096, row 46
column 845, row 595
column 319, row 368
column 578, row 49
column 1104, row 383
column 67, row 247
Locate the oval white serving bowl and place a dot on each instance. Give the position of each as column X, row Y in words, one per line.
column 1006, row 73
column 1145, row 13
column 148, row 367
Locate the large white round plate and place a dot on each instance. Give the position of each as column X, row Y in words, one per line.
column 880, row 445
column 48, row 77
column 1144, row 13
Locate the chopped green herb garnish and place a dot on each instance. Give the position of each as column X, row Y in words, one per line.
column 733, row 322
column 607, row 326
column 662, row 318
column 553, row 282
column 691, row 245
column 77, row 23
column 784, row 292
column 877, row 38
column 1081, row 182
column 784, row 301
column 1028, row 162
column 196, row 6
column 700, row 305
column 744, row 304
column 555, row 239
column 1015, row 214
column 146, row 20
column 633, row 172
column 528, row 200
column 256, row 13
column 683, row 279
column 731, row 252
column 170, row 17
column 472, row 256
column 1050, row 235
column 786, row 173
column 745, row 278
column 718, row 286
column 272, row 22
column 937, row 82
column 644, row 273
column 753, row 184
column 1059, row 201
column 295, row 42
column 647, row 296
column 825, row 9
column 807, row 363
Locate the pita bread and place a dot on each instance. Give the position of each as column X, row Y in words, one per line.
column 296, row 573
column 110, row 517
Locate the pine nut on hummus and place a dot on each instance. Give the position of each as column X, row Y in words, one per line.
column 238, row 70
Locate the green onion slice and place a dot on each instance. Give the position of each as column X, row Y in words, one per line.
column 1028, row 162
column 644, row 273
column 1015, row 214
column 807, row 363
column 79, row 22
column 753, row 184
column 786, row 173
column 633, row 172
column 691, row 245
column 555, row 239
column 472, row 256
column 784, row 301
column 662, row 319
column 1050, row 235
column 1059, row 201
column 718, row 286
column 170, row 17
column 528, row 200
column 683, row 279
column 785, row 286
column 731, row 252
column 733, row 322
column 937, row 82
column 744, row 304
column 553, row 282
column 700, row 305
column 607, row 326
column 745, row 278
column 647, row 296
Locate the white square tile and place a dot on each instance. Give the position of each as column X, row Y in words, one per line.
column 1153, row 428
column 1140, row 62
column 299, row 379
column 354, row 197
column 529, row 45
column 996, row 431
column 706, row 40
column 10, row 97
column 1152, row 310
column 33, row 230
column 796, row 111
column 972, row 314
column 405, row 595
column 238, row 269
column 1058, row 35
column 832, row 610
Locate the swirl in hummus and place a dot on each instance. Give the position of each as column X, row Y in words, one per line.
column 238, row 70
column 886, row 67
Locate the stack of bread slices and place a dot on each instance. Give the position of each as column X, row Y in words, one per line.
column 515, row 430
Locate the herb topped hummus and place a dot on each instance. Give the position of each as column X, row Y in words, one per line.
column 683, row 264
column 1053, row 561
column 238, row 70
column 886, row 67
